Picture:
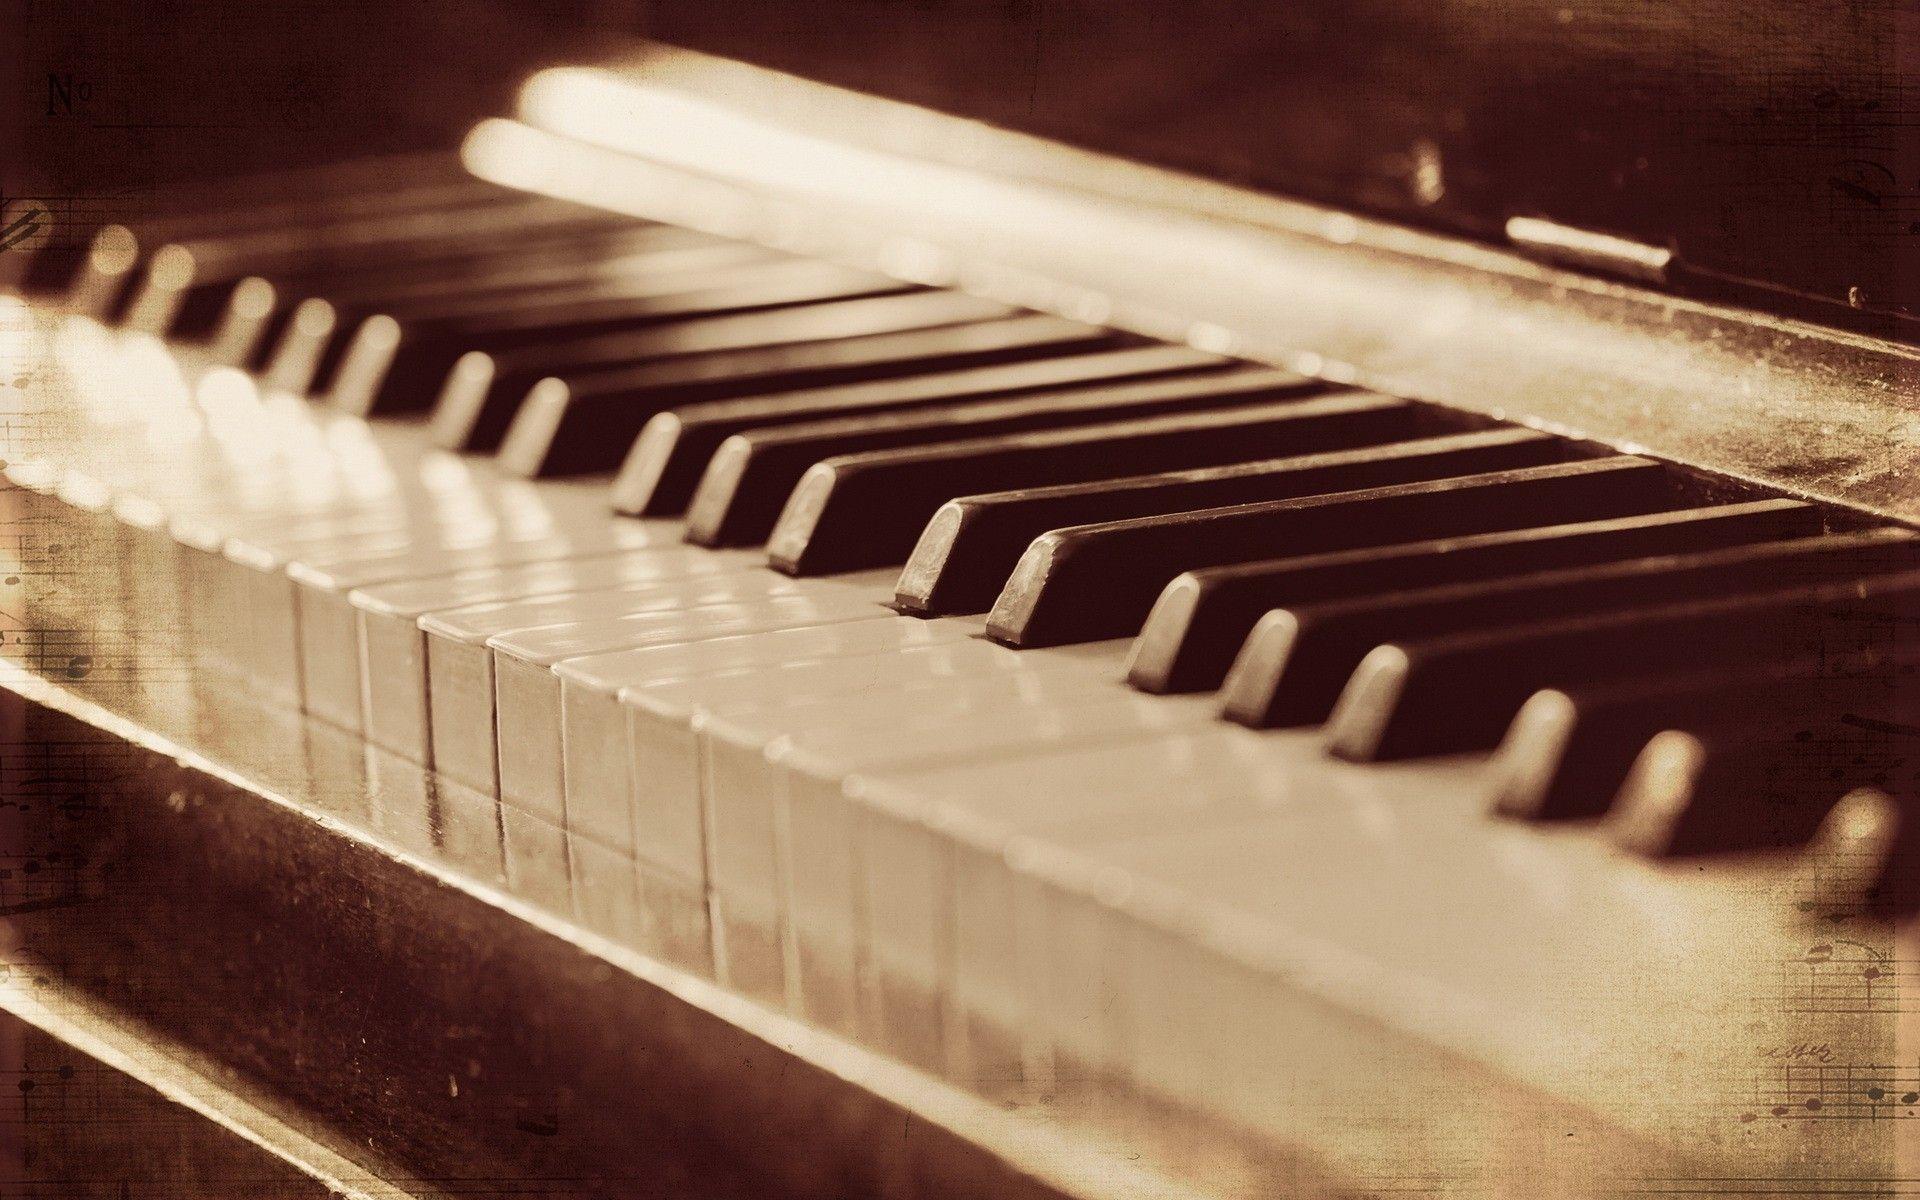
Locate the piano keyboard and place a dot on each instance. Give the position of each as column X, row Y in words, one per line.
column 1024, row 698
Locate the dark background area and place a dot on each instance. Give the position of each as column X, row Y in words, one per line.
column 108, row 100
column 1775, row 144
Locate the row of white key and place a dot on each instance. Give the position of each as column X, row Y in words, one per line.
column 994, row 864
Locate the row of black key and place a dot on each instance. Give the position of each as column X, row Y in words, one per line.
column 1674, row 651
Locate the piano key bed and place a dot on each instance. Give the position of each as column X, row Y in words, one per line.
column 1066, row 716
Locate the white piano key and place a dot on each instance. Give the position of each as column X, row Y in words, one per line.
column 155, row 591
column 1350, row 1012
column 801, row 647
column 232, row 611
column 1007, row 1005
column 460, row 667
column 329, row 659
column 673, row 839
column 265, row 639
column 738, row 782
column 392, row 647
column 593, row 733
column 362, row 525
column 365, row 542
column 433, row 501
column 662, row 770
column 469, row 830
column 218, row 617
column 460, row 712
column 903, row 948
column 84, row 637
column 592, row 706
column 737, row 675
column 605, row 893
column 251, row 464
column 244, row 601
column 801, row 668
column 319, row 487
column 669, row 826
column 534, row 856
column 905, row 1005
column 265, row 647
column 402, row 801
column 527, row 692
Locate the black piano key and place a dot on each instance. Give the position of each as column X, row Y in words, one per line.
column 665, row 465
column 348, row 191
column 156, row 300
column 214, row 265
column 613, row 361
column 971, row 545
column 409, row 366
column 55, row 266
column 296, row 352
column 1567, row 751
column 275, row 322
column 461, row 264
column 380, row 239
column 51, row 270
column 609, row 353
column 241, row 334
column 868, row 510
column 522, row 287
column 108, row 265
column 748, row 481
column 1732, row 787
column 1202, row 618
column 481, row 276
column 462, row 248
column 1098, row 581
column 1459, row 692
column 1296, row 660
column 496, row 283
column 655, row 289
column 589, row 424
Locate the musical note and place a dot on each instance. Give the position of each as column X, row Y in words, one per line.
column 1826, row 1091
column 1846, row 977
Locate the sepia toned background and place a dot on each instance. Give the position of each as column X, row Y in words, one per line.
column 1754, row 139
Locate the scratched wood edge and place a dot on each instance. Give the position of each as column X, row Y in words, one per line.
column 35, row 994
column 679, row 136
column 957, row 1144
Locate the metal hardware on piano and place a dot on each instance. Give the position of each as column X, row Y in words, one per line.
column 1002, row 670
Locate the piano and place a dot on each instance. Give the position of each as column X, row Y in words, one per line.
column 787, row 620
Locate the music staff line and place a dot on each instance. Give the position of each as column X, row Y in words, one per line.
column 1847, row 977
column 1837, row 1092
